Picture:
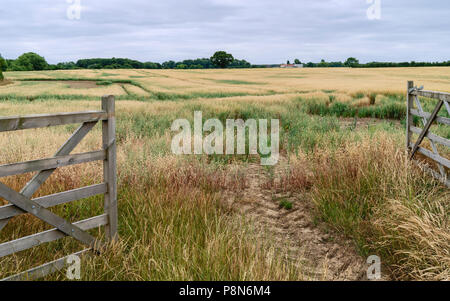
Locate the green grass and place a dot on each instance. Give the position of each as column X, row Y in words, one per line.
column 285, row 204
column 340, row 109
column 237, row 82
column 104, row 83
column 45, row 97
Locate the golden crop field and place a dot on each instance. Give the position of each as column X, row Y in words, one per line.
column 342, row 190
column 247, row 81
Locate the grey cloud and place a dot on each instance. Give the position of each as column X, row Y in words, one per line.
column 261, row 31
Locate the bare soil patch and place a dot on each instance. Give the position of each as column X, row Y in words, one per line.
column 5, row 82
column 81, row 84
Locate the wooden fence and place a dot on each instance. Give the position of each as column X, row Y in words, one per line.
column 427, row 119
column 21, row 202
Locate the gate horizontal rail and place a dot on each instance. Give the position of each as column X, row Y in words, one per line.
column 15, row 123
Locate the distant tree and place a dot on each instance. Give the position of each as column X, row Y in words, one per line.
column 3, row 67
column 335, row 64
column 288, row 62
column 351, row 62
column 221, row 59
column 128, row 66
column 66, row 66
column 52, row 67
column 323, row 63
column 169, row 65
column 98, row 66
column 150, row 65
column 3, row 64
column 31, row 61
column 240, row 64
column 297, row 61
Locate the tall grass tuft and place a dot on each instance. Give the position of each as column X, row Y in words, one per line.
column 369, row 191
column 372, row 98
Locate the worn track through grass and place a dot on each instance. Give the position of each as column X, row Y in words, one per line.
column 327, row 255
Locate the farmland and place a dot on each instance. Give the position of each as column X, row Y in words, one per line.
column 343, row 189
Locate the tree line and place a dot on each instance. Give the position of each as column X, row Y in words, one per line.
column 33, row 62
column 354, row 63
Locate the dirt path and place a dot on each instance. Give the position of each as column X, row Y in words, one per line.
column 327, row 256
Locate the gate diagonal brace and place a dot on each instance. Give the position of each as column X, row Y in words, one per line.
column 426, row 128
column 49, row 217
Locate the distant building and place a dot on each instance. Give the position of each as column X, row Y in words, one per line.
column 291, row 66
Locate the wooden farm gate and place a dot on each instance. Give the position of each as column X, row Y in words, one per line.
column 414, row 108
column 21, row 202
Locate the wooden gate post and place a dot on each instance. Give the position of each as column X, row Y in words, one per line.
column 409, row 121
column 110, row 165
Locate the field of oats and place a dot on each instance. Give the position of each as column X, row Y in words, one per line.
column 343, row 168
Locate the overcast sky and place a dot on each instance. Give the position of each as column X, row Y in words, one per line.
column 260, row 31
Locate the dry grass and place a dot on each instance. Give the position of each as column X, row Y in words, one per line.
column 416, row 236
column 172, row 224
column 371, row 192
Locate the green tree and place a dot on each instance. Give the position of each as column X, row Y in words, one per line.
column 3, row 64
column 323, row 63
column 297, row 61
column 221, row 59
column 30, row 61
column 351, row 62
column 169, row 65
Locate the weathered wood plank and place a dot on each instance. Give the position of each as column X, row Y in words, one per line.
column 38, row 179
column 109, row 165
column 432, row 94
column 447, row 106
column 409, row 106
column 50, row 163
column 431, row 155
column 9, row 211
column 427, row 115
column 15, row 123
column 37, row 239
column 45, row 269
column 427, row 127
column 48, row 217
column 431, row 136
